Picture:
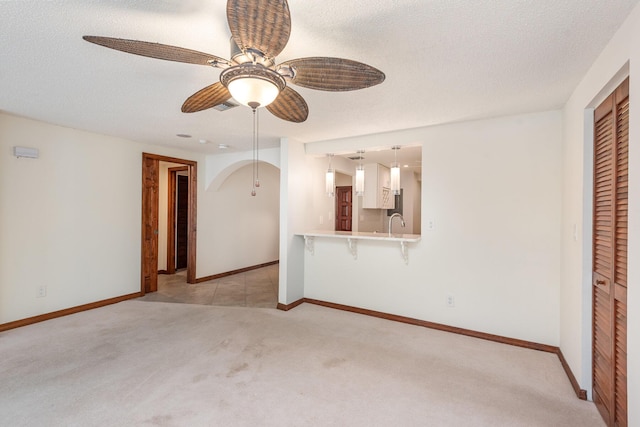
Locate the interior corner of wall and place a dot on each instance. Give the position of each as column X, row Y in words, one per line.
column 271, row 156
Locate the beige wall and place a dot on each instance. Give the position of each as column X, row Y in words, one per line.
column 618, row 60
column 297, row 186
column 343, row 180
column 493, row 189
column 241, row 230
column 70, row 220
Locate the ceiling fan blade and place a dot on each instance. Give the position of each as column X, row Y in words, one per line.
column 290, row 106
column 264, row 25
column 156, row 50
column 205, row 98
column 333, row 74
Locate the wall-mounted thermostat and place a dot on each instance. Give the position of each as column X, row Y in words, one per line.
column 29, row 153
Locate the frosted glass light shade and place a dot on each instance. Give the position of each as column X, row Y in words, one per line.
column 330, row 182
column 395, row 179
column 360, row 180
column 248, row 90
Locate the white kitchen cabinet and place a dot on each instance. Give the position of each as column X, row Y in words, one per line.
column 377, row 187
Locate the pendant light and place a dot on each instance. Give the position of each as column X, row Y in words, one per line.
column 395, row 172
column 330, row 178
column 360, row 175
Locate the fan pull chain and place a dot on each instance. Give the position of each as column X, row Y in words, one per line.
column 257, row 179
column 253, row 164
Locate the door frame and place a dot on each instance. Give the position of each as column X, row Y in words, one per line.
column 192, row 168
column 171, row 217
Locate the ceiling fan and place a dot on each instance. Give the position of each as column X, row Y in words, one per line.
column 260, row 30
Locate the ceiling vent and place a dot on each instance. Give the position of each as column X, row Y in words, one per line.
column 358, row 157
column 227, row 105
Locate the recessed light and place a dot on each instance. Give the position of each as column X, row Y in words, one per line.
column 183, row 135
column 223, row 146
column 203, row 141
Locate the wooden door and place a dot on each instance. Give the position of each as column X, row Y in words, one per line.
column 343, row 208
column 182, row 224
column 609, row 285
column 150, row 188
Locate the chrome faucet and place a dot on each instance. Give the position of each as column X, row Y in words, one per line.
column 391, row 219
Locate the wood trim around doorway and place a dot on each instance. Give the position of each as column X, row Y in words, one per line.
column 171, row 218
column 192, row 168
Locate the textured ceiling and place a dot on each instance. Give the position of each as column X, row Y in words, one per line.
column 444, row 60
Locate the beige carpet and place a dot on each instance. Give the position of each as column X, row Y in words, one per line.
column 153, row 363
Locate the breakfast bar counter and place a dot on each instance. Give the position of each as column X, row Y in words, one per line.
column 352, row 237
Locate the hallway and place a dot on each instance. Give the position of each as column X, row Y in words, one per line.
column 255, row 288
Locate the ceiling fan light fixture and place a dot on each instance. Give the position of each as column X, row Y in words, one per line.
column 249, row 90
column 260, row 30
column 252, row 84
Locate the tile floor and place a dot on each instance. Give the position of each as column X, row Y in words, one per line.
column 255, row 288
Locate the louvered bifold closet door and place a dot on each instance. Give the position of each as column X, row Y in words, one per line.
column 610, row 256
column 620, row 258
column 602, row 262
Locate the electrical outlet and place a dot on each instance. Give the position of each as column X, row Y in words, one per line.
column 42, row 291
column 321, row 220
column 430, row 224
column 451, row 301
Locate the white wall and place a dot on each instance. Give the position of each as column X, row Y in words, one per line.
column 241, row 230
column 304, row 205
column 493, row 190
column 221, row 165
column 412, row 201
column 70, row 220
column 417, row 207
column 343, row 180
column 620, row 58
column 296, row 204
